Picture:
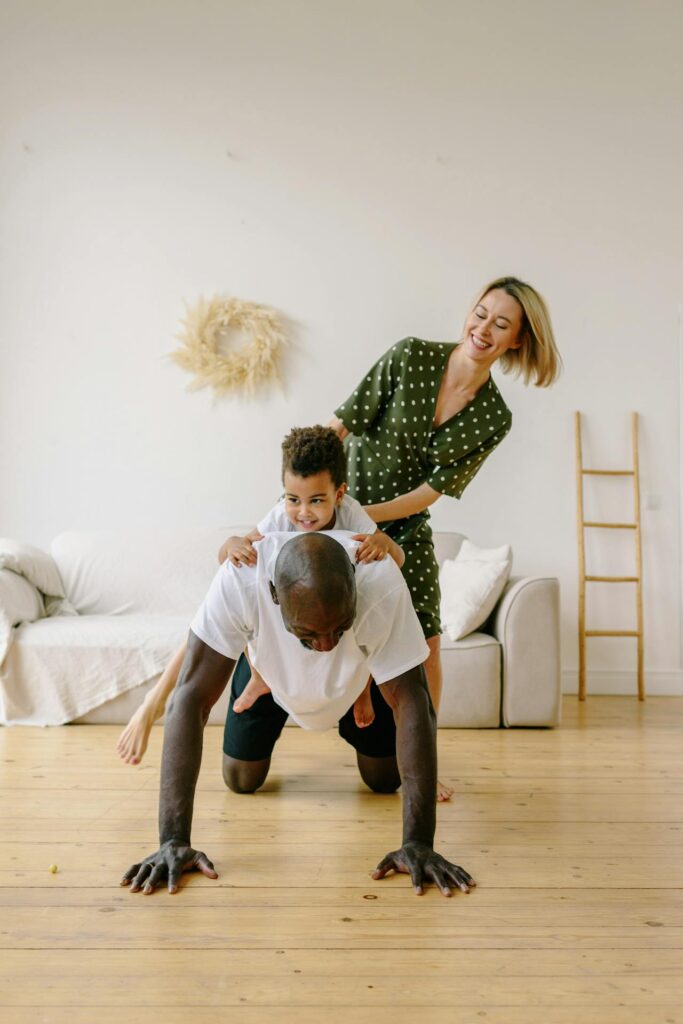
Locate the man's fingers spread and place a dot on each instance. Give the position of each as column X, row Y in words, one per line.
column 441, row 882
column 416, row 877
column 385, row 865
column 141, row 876
column 130, row 873
column 462, row 878
column 463, row 881
column 155, row 877
column 205, row 866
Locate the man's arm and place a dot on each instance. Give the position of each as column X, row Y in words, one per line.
column 203, row 678
column 408, row 697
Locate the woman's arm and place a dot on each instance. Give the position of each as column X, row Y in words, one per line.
column 338, row 427
column 157, row 697
column 398, row 508
column 404, row 505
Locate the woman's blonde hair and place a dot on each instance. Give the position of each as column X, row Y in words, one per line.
column 537, row 357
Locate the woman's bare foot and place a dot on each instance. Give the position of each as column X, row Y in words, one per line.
column 363, row 711
column 254, row 689
column 443, row 792
column 132, row 742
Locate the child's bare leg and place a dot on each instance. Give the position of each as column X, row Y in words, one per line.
column 254, row 689
column 434, row 682
column 363, row 711
column 132, row 742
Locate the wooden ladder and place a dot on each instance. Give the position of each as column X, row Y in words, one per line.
column 582, row 525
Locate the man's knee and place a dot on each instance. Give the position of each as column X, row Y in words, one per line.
column 380, row 774
column 383, row 785
column 244, row 776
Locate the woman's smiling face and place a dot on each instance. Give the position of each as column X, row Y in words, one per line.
column 493, row 327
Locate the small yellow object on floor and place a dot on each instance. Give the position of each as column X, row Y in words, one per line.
column 53, row 869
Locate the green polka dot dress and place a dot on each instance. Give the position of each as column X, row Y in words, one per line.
column 393, row 447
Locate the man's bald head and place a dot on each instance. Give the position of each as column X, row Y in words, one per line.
column 315, row 586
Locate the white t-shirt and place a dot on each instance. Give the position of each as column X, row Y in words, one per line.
column 350, row 515
column 315, row 687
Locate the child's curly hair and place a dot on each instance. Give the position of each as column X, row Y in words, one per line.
column 310, row 450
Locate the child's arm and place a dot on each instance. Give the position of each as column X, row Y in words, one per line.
column 240, row 550
column 376, row 546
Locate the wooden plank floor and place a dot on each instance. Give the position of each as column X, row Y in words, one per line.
column 575, row 836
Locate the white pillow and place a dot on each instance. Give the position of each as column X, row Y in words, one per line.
column 470, row 587
column 35, row 565
column 20, row 601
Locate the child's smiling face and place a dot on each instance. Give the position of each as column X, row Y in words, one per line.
column 311, row 501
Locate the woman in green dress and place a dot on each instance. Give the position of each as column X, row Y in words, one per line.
column 423, row 421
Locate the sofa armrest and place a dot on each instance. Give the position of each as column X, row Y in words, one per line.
column 526, row 622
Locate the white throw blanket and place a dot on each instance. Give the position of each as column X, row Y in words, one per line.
column 56, row 665
column 131, row 597
column 61, row 667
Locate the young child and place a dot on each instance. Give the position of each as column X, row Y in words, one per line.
column 314, row 478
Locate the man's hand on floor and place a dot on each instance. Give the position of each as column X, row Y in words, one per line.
column 167, row 864
column 424, row 865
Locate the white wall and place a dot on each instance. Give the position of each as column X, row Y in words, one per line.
column 363, row 167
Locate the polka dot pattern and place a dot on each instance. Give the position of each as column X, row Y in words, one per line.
column 393, row 448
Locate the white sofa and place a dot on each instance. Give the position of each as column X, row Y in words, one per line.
column 132, row 594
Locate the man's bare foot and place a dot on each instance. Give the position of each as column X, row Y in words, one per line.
column 443, row 792
column 254, row 689
column 132, row 742
column 363, row 711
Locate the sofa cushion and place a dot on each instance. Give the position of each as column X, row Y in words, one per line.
column 471, row 584
column 471, row 695
column 147, row 572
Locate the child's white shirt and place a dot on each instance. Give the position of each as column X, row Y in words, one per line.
column 350, row 515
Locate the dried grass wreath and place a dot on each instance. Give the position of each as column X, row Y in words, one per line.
column 244, row 369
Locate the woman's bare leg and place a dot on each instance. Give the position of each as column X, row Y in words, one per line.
column 434, row 675
column 132, row 742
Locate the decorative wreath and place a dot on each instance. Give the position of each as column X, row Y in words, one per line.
column 244, row 369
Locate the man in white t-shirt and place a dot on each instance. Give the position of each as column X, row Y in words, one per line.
column 315, row 625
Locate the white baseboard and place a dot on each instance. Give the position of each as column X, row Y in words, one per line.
column 602, row 681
